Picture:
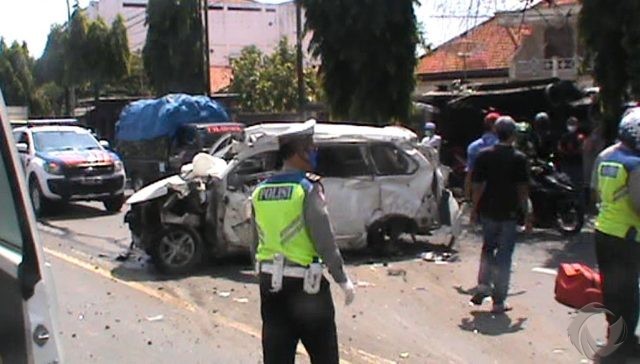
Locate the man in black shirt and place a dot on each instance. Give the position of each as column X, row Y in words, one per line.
column 500, row 192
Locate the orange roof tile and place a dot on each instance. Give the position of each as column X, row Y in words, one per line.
column 220, row 77
column 488, row 46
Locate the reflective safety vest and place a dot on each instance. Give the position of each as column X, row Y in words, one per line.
column 278, row 206
column 617, row 215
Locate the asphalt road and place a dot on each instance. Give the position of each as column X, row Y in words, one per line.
column 407, row 310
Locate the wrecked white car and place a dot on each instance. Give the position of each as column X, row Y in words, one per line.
column 377, row 183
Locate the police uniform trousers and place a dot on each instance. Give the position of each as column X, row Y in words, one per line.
column 292, row 315
column 617, row 262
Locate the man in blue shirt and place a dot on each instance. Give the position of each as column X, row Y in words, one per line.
column 487, row 140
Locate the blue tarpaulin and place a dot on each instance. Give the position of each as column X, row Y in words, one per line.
column 149, row 119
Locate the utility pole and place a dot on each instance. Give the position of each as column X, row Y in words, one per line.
column 68, row 91
column 207, row 51
column 299, row 68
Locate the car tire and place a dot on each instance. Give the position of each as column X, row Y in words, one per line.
column 377, row 239
column 39, row 202
column 177, row 250
column 114, row 204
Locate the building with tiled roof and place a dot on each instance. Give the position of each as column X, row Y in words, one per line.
column 540, row 42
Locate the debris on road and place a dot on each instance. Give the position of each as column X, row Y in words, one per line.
column 364, row 284
column 241, row 300
column 404, row 355
column 396, row 272
column 438, row 258
column 224, row 294
column 155, row 318
column 548, row 271
column 81, row 317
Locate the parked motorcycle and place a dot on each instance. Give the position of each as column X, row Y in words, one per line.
column 172, row 219
column 556, row 201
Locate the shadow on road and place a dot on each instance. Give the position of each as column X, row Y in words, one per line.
column 76, row 211
column 489, row 324
column 579, row 249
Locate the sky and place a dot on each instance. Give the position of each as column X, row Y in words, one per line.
column 442, row 19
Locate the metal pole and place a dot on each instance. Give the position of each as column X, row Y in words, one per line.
column 207, row 50
column 299, row 67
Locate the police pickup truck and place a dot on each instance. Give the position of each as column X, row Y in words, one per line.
column 64, row 162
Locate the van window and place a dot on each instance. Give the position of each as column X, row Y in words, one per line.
column 254, row 169
column 390, row 160
column 342, row 161
column 10, row 232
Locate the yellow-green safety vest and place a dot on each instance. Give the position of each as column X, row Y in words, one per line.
column 617, row 215
column 278, row 206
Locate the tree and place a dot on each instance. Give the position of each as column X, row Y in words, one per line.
column 611, row 35
column 77, row 51
column 173, row 54
column 266, row 83
column 367, row 49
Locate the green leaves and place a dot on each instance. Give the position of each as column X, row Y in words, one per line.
column 610, row 33
column 267, row 83
column 173, row 54
column 367, row 50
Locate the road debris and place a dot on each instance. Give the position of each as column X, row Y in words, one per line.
column 224, row 294
column 396, row 272
column 404, row 355
column 438, row 258
column 155, row 318
column 549, row 271
column 81, row 317
column 241, row 300
column 364, row 284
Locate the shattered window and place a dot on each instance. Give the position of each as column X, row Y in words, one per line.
column 390, row 160
column 342, row 161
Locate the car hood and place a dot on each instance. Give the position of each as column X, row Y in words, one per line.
column 76, row 157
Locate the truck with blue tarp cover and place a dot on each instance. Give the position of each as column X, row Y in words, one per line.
column 156, row 137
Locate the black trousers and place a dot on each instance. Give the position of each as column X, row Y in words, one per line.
column 291, row 315
column 617, row 261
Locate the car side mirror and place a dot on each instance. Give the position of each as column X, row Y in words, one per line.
column 22, row 147
column 105, row 144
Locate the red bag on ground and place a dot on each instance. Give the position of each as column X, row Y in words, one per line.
column 577, row 285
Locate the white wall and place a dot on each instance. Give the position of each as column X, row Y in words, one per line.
column 232, row 26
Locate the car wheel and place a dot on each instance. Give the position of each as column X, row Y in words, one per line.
column 377, row 239
column 38, row 200
column 177, row 250
column 114, row 204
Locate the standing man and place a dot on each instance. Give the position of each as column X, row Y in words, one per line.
column 431, row 139
column 618, row 230
column 546, row 141
column 487, row 140
column 294, row 238
column 500, row 192
column 570, row 152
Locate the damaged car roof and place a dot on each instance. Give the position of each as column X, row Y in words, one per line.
column 327, row 131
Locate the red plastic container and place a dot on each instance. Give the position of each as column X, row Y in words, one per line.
column 577, row 285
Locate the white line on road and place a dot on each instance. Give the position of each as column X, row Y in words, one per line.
column 549, row 271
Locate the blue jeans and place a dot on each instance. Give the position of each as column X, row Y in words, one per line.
column 495, row 262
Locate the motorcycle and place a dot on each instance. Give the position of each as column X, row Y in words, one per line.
column 556, row 201
column 173, row 219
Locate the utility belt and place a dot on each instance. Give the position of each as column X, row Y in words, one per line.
column 312, row 275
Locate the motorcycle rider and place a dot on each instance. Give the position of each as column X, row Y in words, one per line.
column 617, row 174
column 294, row 236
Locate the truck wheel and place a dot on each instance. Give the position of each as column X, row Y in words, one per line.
column 38, row 200
column 114, row 204
column 177, row 250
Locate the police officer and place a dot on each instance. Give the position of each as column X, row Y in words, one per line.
column 431, row 139
column 294, row 237
column 617, row 174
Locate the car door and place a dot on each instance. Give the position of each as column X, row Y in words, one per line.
column 27, row 331
column 353, row 197
column 241, row 180
column 403, row 185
